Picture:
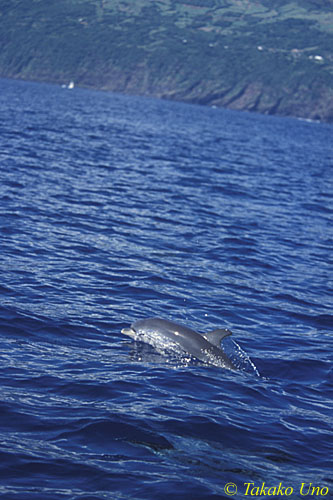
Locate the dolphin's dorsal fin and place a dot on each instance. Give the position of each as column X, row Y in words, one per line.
column 216, row 336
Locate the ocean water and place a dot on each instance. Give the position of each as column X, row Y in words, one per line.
column 116, row 208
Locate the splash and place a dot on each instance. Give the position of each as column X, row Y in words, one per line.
column 239, row 357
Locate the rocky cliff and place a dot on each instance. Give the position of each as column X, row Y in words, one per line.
column 267, row 56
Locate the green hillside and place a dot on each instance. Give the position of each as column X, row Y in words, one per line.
column 260, row 55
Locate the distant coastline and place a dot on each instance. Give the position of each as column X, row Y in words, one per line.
column 250, row 56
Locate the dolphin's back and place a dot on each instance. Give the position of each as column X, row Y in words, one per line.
column 191, row 341
column 166, row 327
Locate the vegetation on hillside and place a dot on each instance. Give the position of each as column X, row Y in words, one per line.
column 271, row 56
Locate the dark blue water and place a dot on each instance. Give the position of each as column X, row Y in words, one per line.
column 117, row 208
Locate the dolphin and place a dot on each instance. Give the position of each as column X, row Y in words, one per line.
column 164, row 333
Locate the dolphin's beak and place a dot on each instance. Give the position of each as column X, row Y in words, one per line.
column 128, row 331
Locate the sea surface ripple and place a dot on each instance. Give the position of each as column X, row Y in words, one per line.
column 116, row 208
